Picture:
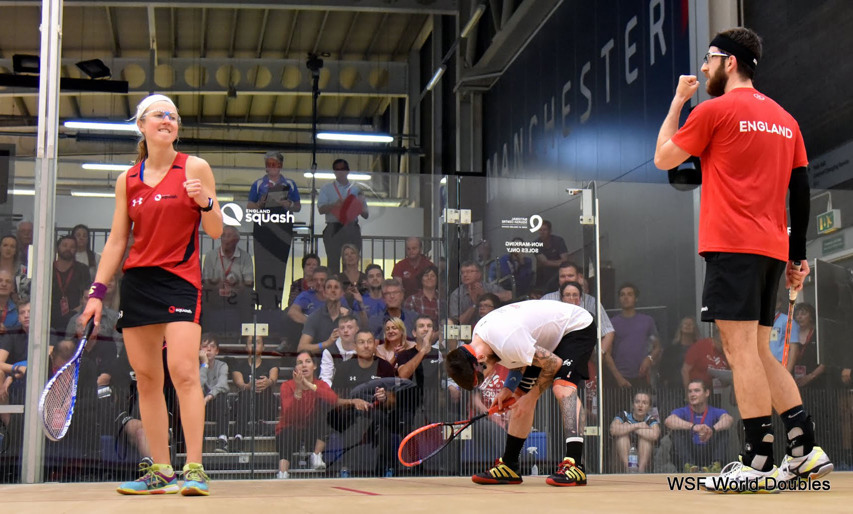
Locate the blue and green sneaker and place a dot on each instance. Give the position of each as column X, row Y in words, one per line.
column 195, row 480
column 155, row 479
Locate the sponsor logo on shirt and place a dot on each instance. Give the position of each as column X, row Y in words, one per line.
column 159, row 197
column 136, row 201
column 179, row 310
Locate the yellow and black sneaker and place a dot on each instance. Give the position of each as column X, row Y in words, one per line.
column 498, row 475
column 568, row 474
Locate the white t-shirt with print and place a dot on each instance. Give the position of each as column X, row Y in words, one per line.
column 513, row 331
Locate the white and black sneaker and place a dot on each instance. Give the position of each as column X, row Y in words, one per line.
column 738, row 478
column 808, row 467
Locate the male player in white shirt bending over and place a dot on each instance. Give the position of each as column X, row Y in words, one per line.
column 544, row 344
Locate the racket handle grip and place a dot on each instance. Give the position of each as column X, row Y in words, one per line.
column 792, row 293
column 90, row 326
column 494, row 409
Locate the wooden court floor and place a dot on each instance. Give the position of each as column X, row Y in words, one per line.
column 607, row 493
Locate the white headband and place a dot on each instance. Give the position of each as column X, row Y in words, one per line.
column 147, row 101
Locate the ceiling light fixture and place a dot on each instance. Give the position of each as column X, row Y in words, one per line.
column 436, row 77
column 22, row 63
column 355, row 138
column 93, row 166
column 101, row 126
column 93, row 194
column 385, row 202
column 95, row 69
column 472, row 22
column 321, row 175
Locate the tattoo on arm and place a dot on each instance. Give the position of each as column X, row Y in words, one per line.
column 550, row 365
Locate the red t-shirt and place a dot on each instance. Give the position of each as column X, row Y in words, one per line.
column 748, row 145
column 298, row 413
column 408, row 274
column 701, row 356
column 165, row 223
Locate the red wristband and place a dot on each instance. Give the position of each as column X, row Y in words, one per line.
column 97, row 290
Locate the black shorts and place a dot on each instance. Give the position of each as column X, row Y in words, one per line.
column 741, row 287
column 575, row 348
column 150, row 296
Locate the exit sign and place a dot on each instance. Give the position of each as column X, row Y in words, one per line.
column 829, row 221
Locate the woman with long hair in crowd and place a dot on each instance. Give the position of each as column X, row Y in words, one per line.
column 163, row 197
column 807, row 371
column 351, row 268
column 394, row 340
column 427, row 300
column 674, row 353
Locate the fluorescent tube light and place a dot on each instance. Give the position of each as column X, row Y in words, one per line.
column 93, row 166
column 436, row 77
column 93, row 194
column 323, row 175
column 475, row 17
column 385, row 202
column 355, row 138
column 101, row 126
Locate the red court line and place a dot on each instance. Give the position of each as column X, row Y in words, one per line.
column 356, row 491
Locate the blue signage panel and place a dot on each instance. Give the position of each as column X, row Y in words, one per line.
column 585, row 99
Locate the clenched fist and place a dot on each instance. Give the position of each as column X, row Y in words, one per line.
column 687, row 86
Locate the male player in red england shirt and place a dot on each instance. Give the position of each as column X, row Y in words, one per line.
column 752, row 156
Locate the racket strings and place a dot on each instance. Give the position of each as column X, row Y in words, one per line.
column 424, row 443
column 59, row 401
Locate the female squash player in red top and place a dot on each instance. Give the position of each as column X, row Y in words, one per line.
column 162, row 198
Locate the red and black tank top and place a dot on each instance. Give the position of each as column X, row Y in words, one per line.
column 165, row 223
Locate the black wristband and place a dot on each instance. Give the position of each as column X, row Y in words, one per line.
column 209, row 205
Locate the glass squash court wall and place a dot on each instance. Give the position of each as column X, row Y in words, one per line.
column 645, row 237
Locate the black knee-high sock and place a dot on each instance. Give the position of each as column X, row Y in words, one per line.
column 512, row 451
column 758, row 447
column 800, row 430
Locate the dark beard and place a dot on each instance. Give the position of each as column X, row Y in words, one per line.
column 716, row 85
